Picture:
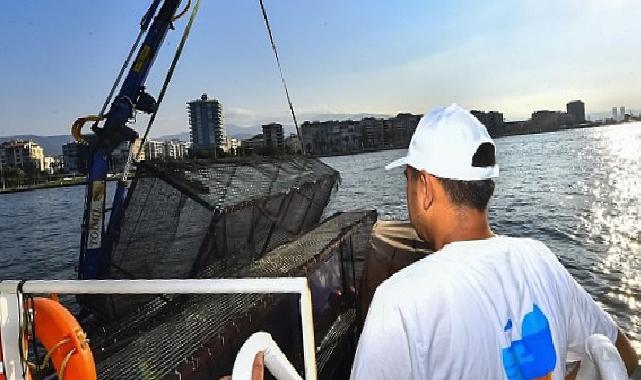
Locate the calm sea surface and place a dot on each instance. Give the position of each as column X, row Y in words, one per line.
column 579, row 191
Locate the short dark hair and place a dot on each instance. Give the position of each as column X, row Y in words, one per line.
column 474, row 194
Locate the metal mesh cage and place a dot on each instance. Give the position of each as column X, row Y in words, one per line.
column 183, row 216
column 199, row 336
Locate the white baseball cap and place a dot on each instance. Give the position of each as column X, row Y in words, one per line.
column 444, row 143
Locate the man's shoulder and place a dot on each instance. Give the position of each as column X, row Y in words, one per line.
column 497, row 245
column 436, row 273
column 426, row 276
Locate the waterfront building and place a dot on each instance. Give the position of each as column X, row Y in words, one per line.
column 404, row 125
column 349, row 136
column 292, row 143
column 154, row 150
column 59, row 163
column 207, row 130
column 232, row 145
column 75, row 157
column 273, row 136
column 545, row 120
column 27, row 155
column 373, row 133
column 576, row 108
column 138, row 149
column 621, row 113
column 515, row 126
column 333, row 137
column 49, row 165
column 255, row 143
column 24, row 154
column 492, row 120
column 316, row 141
column 615, row 116
column 175, row 150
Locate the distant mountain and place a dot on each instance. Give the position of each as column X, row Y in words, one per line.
column 235, row 131
column 182, row 136
column 52, row 145
column 342, row 116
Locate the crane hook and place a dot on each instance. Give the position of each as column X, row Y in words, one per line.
column 79, row 123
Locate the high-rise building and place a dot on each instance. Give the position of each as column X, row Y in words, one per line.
column 614, row 114
column 24, row 154
column 621, row 113
column 273, row 136
column 206, row 124
column 576, row 108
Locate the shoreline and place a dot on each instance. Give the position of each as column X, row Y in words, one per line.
column 502, row 135
column 83, row 181
column 48, row 185
column 566, row 128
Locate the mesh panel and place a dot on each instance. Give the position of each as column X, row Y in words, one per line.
column 182, row 216
column 197, row 337
column 224, row 219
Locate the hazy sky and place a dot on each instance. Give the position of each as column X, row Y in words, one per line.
column 59, row 58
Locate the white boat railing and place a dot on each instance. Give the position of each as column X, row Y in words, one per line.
column 11, row 305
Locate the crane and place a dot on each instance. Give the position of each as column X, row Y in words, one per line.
column 97, row 238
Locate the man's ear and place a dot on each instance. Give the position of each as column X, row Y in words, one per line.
column 427, row 186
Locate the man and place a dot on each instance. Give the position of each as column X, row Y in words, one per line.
column 482, row 306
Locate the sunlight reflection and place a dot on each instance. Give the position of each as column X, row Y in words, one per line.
column 613, row 216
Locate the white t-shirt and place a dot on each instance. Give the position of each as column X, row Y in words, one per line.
column 500, row 308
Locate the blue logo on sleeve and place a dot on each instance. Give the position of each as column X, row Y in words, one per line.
column 532, row 357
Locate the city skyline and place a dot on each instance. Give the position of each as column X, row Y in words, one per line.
column 340, row 59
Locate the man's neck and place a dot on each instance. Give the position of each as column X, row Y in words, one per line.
column 465, row 224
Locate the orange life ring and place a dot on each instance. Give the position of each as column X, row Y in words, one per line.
column 64, row 339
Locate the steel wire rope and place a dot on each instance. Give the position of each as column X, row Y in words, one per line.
column 163, row 90
column 282, row 77
column 143, row 28
column 182, row 13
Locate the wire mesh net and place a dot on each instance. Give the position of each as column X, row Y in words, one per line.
column 183, row 216
column 225, row 219
column 199, row 336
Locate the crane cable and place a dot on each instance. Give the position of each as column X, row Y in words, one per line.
column 282, row 77
column 144, row 25
column 161, row 96
column 182, row 13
